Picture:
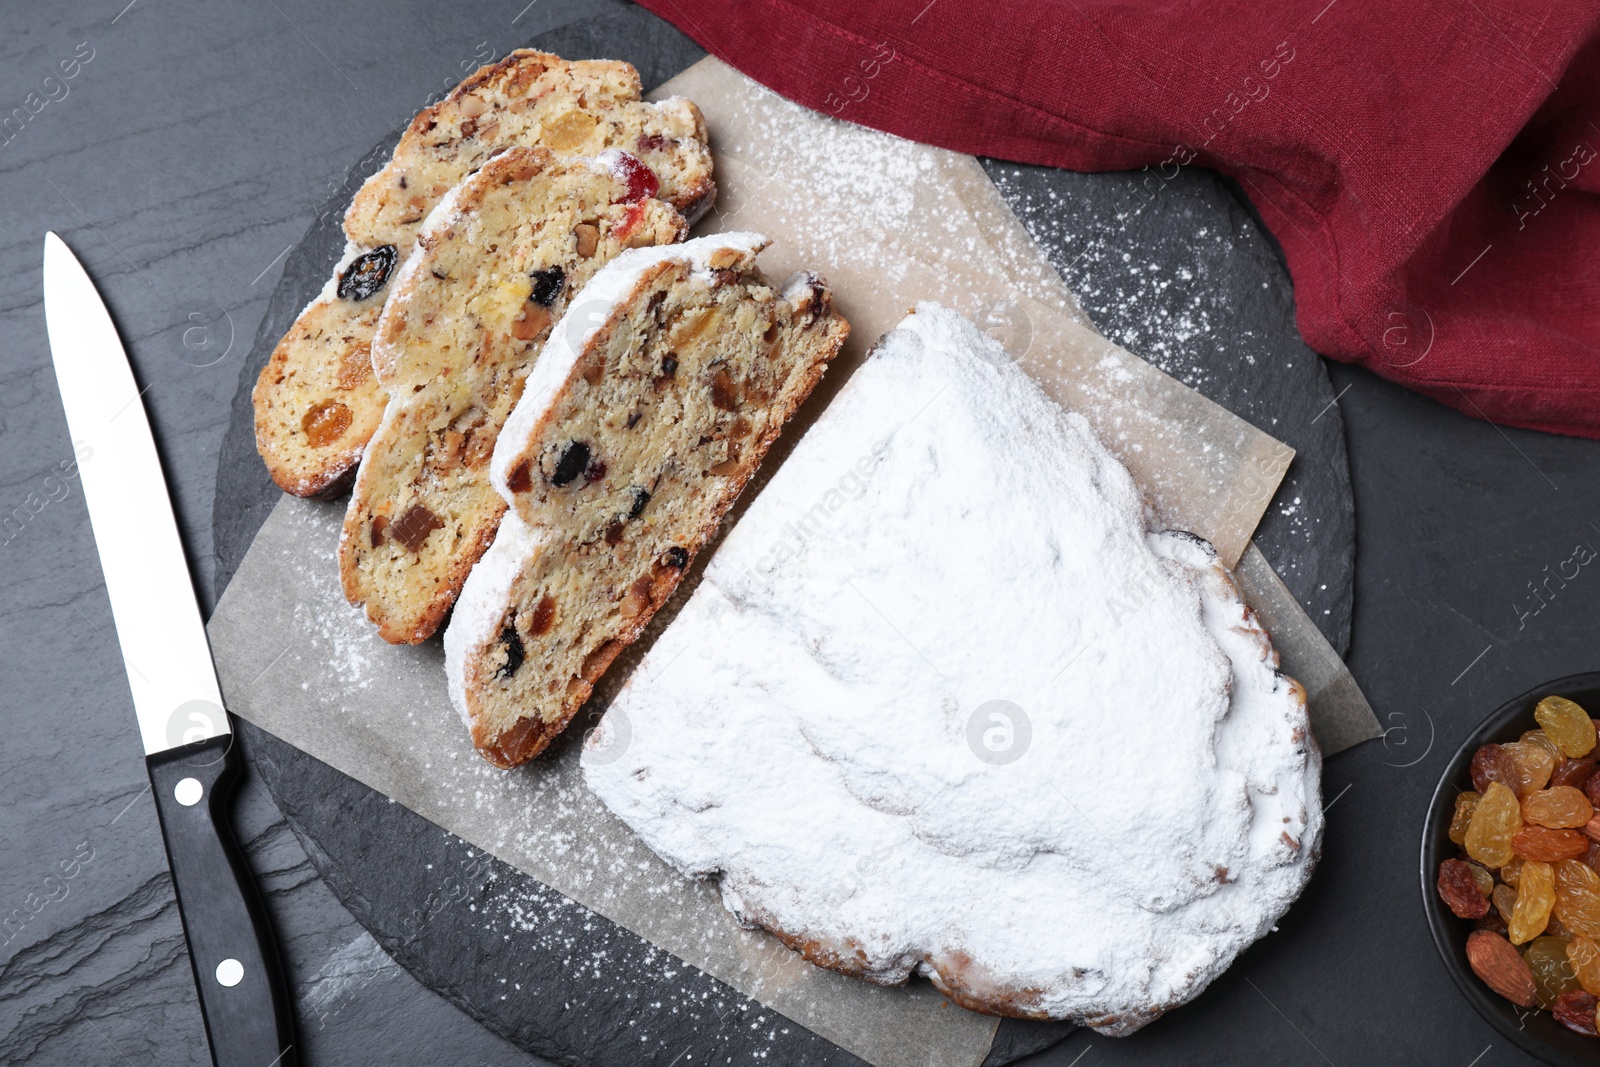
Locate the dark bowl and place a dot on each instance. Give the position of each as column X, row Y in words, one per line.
column 1535, row 1032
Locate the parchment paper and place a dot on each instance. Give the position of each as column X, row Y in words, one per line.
column 889, row 223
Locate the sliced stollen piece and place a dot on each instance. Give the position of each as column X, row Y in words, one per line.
column 943, row 703
column 497, row 263
column 315, row 403
column 631, row 441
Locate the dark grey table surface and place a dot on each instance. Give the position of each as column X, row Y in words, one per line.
column 184, row 159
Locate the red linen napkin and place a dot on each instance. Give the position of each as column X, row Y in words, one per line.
column 1430, row 167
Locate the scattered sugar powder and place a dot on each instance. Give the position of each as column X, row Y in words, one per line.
column 944, row 705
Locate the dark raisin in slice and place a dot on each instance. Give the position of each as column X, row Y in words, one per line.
column 641, row 497
column 544, row 616
column 669, row 365
column 633, row 420
column 547, row 285
column 724, row 393
column 413, row 528
column 519, row 480
column 514, row 652
column 677, row 557
column 574, row 459
column 367, row 274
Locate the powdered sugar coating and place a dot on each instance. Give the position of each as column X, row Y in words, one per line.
column 944, row 704
column 590, row 309
column 481, row 607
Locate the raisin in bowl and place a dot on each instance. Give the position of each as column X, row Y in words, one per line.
column 1533, row 1030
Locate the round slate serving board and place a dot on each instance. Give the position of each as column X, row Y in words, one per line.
column 1175, row 269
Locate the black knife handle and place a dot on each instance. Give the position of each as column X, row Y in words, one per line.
column 250, row 1022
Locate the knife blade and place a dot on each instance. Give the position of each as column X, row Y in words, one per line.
column 187, row 738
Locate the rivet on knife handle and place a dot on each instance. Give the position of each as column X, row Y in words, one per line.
column 243, row 996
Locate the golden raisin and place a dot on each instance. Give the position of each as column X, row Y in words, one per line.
column 1504, row 899
column 1538, row 844
column 355, row 366
column 1535, row 895
column 1552, row 972
column 1508, row 874
column 1481, row 878
column 1556, row 928
column 1465, row 804
column 1495, row 821
column 1562, row 807
column 1584, row 955
column 1535, row 760
column 325, row 423
column 1568, row 725
column 1578, row 898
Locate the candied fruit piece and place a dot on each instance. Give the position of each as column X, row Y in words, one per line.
column 1537, row 843
column 1552, row 973
column 1535, row 761
column 1459, row 890
column 1568, row 725
column 632, row 172
column 1575, row 1009
column 1573, row 772
column 1536, row 893
column 1465, row 804
column 1584, row 955
column 1492, row 763
column 1578, row 898
column 1559, row 808
column 1501, row 967
column 1497, row 819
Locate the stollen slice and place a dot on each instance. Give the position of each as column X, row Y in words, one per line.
column 497, row 263
column 650, row 409
column 316, row 401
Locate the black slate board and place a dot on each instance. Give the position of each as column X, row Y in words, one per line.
column 1187, row 261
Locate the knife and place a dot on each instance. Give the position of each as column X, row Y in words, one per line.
column 188, row 741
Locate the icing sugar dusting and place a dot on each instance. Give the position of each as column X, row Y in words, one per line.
column 944, row 705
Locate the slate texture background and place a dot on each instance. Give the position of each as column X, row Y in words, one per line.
column 182, row 165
